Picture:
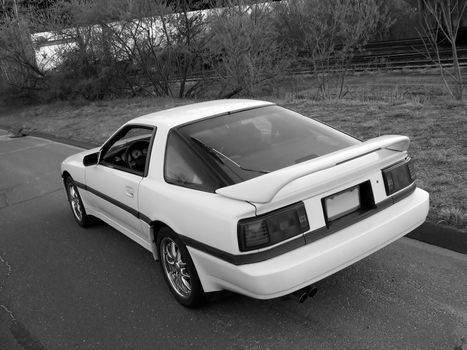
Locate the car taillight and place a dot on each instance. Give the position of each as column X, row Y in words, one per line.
column 273, row 227
column 399, row 176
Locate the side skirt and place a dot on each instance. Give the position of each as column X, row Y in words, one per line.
column 133, row 236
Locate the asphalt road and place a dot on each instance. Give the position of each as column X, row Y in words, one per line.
column 64, row 287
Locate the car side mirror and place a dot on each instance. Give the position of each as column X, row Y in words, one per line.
column 91, row 159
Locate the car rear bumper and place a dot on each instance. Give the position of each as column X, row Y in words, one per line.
column 306, row 265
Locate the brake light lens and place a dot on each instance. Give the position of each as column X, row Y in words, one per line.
column 399, row 176
column 272, row 228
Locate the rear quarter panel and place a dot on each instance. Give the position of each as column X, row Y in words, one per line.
column 205, row 217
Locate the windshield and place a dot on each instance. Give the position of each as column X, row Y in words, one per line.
column 250, row 143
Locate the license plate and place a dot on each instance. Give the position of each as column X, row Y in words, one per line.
column 342, row 203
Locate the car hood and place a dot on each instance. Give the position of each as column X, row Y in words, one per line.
column 263, row 189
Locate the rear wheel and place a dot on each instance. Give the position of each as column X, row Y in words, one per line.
column 76, row 204
column 179, row 270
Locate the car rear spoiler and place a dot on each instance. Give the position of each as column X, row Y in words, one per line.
column 263, row 189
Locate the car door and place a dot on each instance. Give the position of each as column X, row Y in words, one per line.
column 113, row 183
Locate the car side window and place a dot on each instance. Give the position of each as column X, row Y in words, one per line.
column 184, row 168
column 129, row 150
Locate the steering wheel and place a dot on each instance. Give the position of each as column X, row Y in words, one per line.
column 135, row 157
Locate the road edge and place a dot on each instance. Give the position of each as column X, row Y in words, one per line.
column 66, row 141
column 441, row 236
column 434, row 234
column 50, row 137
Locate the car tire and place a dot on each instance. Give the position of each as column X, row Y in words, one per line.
column 76, row 204
column 178, row 269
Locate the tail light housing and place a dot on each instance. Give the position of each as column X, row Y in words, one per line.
column 399, row 176
column 271, row 228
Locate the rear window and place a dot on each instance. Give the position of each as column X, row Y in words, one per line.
column 250, row 143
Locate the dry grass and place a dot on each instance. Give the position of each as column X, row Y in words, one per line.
column 84, row 121
column 437, row 128
column 438, row 134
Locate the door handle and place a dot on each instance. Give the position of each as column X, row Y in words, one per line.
column 129, row 191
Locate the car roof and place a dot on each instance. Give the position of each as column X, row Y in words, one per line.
column 192, row 112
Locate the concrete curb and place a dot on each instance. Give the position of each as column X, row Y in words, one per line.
column 441, row 236
column 71, row 142
column 67, row 141
column 438, row 235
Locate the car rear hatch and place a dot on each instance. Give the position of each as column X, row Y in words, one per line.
column 335, row 185
column 328, row 170
column 336, row 191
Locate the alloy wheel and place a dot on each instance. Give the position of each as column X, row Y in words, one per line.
column 75, row 202
column 175, row 267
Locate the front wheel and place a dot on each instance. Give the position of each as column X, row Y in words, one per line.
column 76, row 204
column 179, row 270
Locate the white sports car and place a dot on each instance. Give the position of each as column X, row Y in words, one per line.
column 246, row 196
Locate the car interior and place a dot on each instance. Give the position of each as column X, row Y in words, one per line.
column 128, row 155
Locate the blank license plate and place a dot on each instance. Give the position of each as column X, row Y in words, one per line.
column 342, row 203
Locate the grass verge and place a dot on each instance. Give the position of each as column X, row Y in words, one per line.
column 438, row 131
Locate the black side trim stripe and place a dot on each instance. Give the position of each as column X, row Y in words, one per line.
column 297, row 242
column 125, row 207
column 244, row 259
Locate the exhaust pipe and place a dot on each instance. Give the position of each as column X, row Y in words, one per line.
column 312, row 290
column 301, row 295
